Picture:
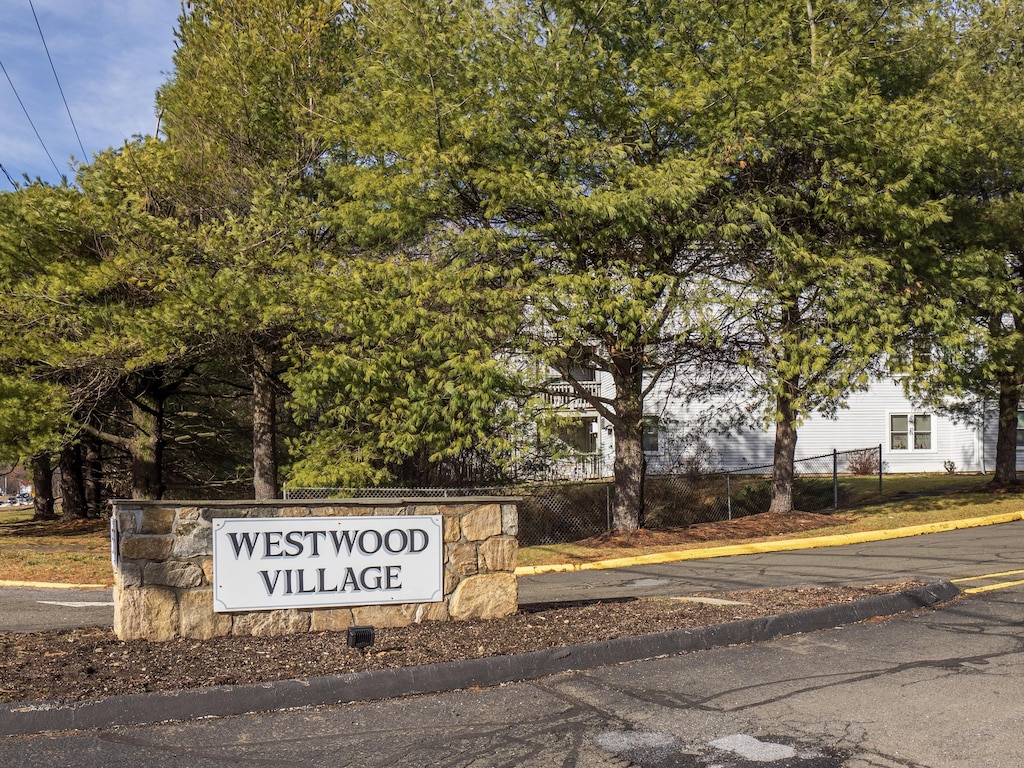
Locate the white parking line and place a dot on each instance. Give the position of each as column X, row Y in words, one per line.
column 73, row 605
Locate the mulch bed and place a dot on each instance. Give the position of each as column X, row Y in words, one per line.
column 82, row 664
column 751, row 527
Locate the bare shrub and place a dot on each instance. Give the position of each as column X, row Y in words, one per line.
column 863, row 462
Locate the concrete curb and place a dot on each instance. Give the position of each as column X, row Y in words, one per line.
column 785, row 545
column 52, row 585
column 139, row 709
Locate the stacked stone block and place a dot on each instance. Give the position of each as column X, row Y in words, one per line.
column 163, row 574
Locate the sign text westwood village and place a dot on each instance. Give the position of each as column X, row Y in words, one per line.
column 324, row 562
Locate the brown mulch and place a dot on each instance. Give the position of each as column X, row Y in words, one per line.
column 751, row 527
column 82, row 664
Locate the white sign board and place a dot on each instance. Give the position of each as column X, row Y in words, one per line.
column 325, row 562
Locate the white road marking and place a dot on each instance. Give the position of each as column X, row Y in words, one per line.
column 74, row 605
column 754, row 749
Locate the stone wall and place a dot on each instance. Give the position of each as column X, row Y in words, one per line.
column 163, row 567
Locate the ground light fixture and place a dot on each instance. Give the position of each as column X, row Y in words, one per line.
column 360, row 638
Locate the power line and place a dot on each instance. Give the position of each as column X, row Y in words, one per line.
column 8, row 176
column 50, row 59
column 29, row 117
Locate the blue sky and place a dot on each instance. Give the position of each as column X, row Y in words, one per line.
column 110, row 56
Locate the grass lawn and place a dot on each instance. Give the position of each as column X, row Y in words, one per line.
column 864, row 489
column 74, row 552
column 906, row 500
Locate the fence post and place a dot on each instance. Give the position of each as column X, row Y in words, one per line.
column 879, row 469
column 608, row 507
column 835, row 479
column 728, row 494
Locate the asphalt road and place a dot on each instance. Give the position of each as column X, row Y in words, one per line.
column 935, row 689
column 940, row 688
column 31, row 609
column 951, row 555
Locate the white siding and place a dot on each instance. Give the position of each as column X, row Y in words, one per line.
column 987, row 442
column 864, row 423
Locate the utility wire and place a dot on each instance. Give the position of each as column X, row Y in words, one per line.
column 29, row 117
column 50, row 59
column 8, row 176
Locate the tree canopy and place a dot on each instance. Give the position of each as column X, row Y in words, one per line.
column 380, row 225
column 663, row 185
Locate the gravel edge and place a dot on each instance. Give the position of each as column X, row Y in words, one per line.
column 21, row 719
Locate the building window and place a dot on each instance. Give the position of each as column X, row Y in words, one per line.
column 1020, row 428
column 922, row 433
column 580, row 434
column 910, row 432
column 652, row 427
column 582, row 374
column 579, row 364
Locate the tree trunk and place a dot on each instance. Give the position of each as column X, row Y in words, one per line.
column 629, row 469
column 147, row 442
column 42, row 486
column 93, row 475
column 785, row 451
column 72, row 483
column 264, row 425
column 1006, row 437
column 628, row 503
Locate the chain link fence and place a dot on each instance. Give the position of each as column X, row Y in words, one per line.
column 557, row 512
column 302, row 494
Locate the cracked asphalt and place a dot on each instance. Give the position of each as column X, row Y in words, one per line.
column 937, row 688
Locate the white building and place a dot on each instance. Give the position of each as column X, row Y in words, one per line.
column 912, row 438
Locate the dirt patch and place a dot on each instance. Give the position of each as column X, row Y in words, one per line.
column 56, row 528
column 92, row 663
column 763, row 525
column 1016, row 487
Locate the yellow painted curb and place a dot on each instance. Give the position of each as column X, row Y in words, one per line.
column 52, row 585
column 786, row 545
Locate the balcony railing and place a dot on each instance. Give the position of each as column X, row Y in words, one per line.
column 587, row 466
column 562, row 394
